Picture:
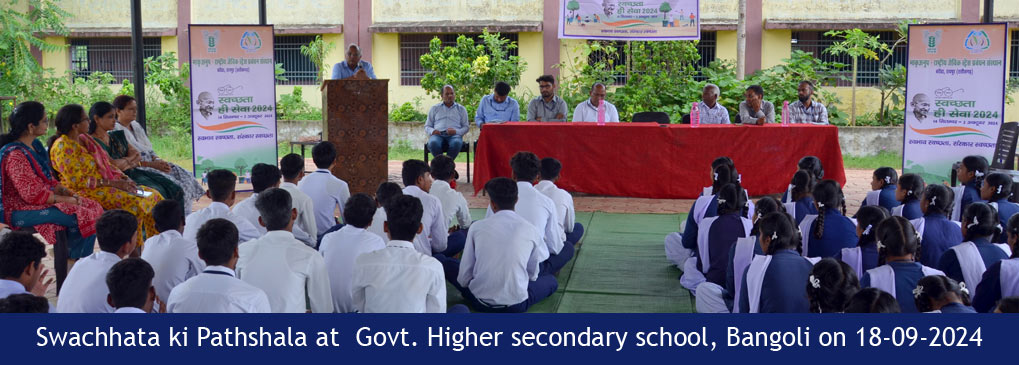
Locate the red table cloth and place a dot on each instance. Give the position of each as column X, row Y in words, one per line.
column 647, row 160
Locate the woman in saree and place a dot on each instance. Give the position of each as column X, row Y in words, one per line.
column 86, row 169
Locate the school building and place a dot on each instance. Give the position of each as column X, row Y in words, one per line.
column 394, row 33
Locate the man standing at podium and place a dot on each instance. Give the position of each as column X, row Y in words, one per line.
column 446, row 125
column 353, row 65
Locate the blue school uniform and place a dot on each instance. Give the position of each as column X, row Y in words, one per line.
column 957, row 308
column 1006, row 210
column 784, row 287
column 722, row 236
column 886, row 198
column 690, row 232
column 867, row 255
column 911, row 210
column 939, row 235
column 969, row 196
column 804, row 207
column 731, row 274
column 989, row 254
column 1001, row 280
column 839, row 233
column 907, row 274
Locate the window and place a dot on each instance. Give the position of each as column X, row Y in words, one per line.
column 413, row 46
column 299, row 70
column 112, row 55
column 706, row 48
column 1013, row 68
column 815, row 42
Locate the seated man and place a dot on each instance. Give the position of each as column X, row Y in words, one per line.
column 217, row 289
column 756, row 110
column 383, row 194
column 587, row 111
column 497, row 107
column 327, row 192
column 173, row 258
column 567, row 216
column 711, row 112
column 353, row 65
column 341, row 248
column 417, row 182
column 548, row 107
column 806, row 109
column 21, row 268
column 446, row 125
column 130, row 285
column 499, row 270
column 292, row 169
column 454, row 206
column 84, row 290
column 221, row 190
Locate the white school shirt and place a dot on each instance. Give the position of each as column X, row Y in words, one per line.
column 247, row 210
column 291, row 273
column 327, row 193
column 305, row 213
column 129, row 310
column 84, row 289
column 340, row 249
column 501, row 256
column 217, row 290
column 11, row 287
column 377, row 227
column 565, row 212
column 398, row 279
column 538, row 209
column 173, row 258
column 587, row 112
column 454, row 205
column 433, row 237
column 194, row 221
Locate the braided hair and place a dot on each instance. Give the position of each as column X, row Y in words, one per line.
column 803, row 185
column 1001, row 184
column 765, row 206
column 830, row 286
column 980, row 220
column 978, row 165
column 868, row 219
column 827, row 195
column 886, row 175
column 912, row 185
column 939, row 199
column 939, row 288
column 780, row 227
column 896, row 237
column 723, row 175
column 24, row 114
column 730, row 199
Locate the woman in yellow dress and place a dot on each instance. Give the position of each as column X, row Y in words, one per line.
column 86, row 169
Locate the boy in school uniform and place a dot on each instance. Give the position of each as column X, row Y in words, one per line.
column 130, row 285
column 221, row 190
column 217, row 289
column 21, row 268
column 417, row 182
column 263, row 176
column 84, row 290
column 383, row 194
column 457, row 216
column 566, row 214
column 292, row 169
column 173, row 258
column 341, row 248
column 327, row 192
column 292, row 274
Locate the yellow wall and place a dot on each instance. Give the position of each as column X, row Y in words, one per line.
column 868, row 99
column 386, row 57
column 59, row 61
column 457, row 10
column 169, row 44
column 725, row 45
column 776, row 45
column 531, row 51
column 117, row 13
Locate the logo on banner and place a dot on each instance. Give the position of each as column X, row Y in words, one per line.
column 211, row 39
column 933, row 38
column 977, row 41
column 250, row 41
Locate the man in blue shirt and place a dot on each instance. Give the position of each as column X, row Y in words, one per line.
column 446, row 124
column 353, row 65
column 497, row 107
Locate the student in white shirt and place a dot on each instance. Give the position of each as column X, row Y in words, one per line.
column 417, row 181
column 341, row 248
column 398, row 278
column 24, row 303
column 292, row 168
column 173, row 258
column 130, row 285
column 327, row 192
column 221, row 190
column 84, row 290
column 456, row 214
column 567, row 216
column 21, row 267
column 263, row 176
column 217, row 289
column 499, row 271
column 292, row 274
column 383, row 194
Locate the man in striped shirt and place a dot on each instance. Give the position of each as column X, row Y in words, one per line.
column 806, row 110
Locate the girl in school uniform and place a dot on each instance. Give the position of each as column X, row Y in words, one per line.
column 907, row 192
column 716, row 237
column 871, row 300
column 744, row 251
column 937, row 233
column 967, row 262
column 813, row 166
column 997, row 189
column 1001, row 279
column 828, row 232
column 897, row 241
column 771, row 280
column 941, row 294
column 971, row 173
column 830, row 286
column 864, row 256
column 882, row 185
column 802, row 190
column 737, row 179
column 681, row 248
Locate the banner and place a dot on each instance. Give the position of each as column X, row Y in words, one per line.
column 955, row 96
column 233, row 98
column 650, row 20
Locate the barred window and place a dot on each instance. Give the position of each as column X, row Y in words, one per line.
column 1013, row 68
column 299, row 70
column 815, row 43
column 706, row 48
column 413, row 46
column 112, row 55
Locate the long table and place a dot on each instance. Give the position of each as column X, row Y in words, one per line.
column 647, row 160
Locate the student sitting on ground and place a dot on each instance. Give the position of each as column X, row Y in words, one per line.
column 883, row 184
column 907, row 192
column 830, row 286
column 383, row 194
column 566, row 215
column 744, row 251
column 417, row 182
column 1002, row 278
column 864, row 256
column 996, row 191
column 24, row 303
column 937, row 233
column 340, row 249
column 21, row 268
column 802, row 193
column 457, row 216
column 221, row 190
column 1008, row 305
column 680, row 247
column 173, row 258
column 717, row 236
column 811, row 165
column 828, row 232
column 941, row 294
column 84, row 290
column 217, row 289
column 292, row 169
column 899, row 275
column 130, row 284
column 772, row 282
column 327, row 192
column 967, row 262
column 872, row 300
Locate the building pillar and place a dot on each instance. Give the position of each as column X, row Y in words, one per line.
column 755, row 36
column 357, row 17
column 550, row 37
column 183, row 36
column 970, row 11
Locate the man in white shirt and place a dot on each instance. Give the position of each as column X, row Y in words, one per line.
column 587, row 111
column 221, row 190
column 710, row 111
column 84, row 290
column 499, row 270
column 21, row 268
column 341, row 248
column 130, row 285
column 398, row 278
column 417, row 181
column 456, row 214
column 383, row 194
column 327, row 192
column 217, row 289
column 292, row 168
column 292, row 274
column 173, row 258
column 566, row 215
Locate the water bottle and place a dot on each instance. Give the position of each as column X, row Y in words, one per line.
column 785, row 113
column 695, row 115
column 601, row 113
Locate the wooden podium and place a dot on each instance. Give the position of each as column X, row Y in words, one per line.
column 356, row 120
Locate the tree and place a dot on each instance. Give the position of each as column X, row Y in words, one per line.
column 665, row 8
column 573, row 6
column 241, row 166
column 20, row 31
column 892, row 79
column 856, row 43
column 316, row 51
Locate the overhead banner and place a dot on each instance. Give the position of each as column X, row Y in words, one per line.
column 955, row 96
column 233, row 98
column 651, row 20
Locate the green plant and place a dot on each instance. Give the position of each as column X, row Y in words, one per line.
column 290, row 106
column 578, row 73
column 407, row 112
column 856, row 43
column 892, row 78
column 316, row 51
column 652, row 65
column 19, row 71
column 169, row 110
